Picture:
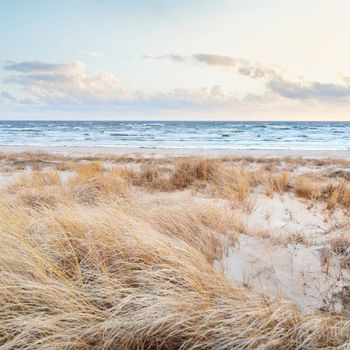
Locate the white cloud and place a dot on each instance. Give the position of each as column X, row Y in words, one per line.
column 203, row 58
column 275, row 82
column 203, row 95
column 172, row 57
column 65, row 83
column 310, row 90
column 257, row 71
column 218, row 60
column 70, row 86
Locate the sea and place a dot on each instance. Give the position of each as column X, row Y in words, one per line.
column 178, row 134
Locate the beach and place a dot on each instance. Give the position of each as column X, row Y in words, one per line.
column 201, row 152
column 175, row 175
column 263, row 228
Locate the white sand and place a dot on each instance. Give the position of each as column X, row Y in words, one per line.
column 285, row 215
column 294, row 272
column 273, row 265
column 182, row 151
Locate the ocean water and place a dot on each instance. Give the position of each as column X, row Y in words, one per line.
column 179, row 134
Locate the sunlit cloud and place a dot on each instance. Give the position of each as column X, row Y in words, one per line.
column 309, row 90
column 275, row 82
column 65, row 83
column 52, row 85
column 257, row 72
column 204, row 58
column 38, row 67
column 172, row 57
column 72, row 86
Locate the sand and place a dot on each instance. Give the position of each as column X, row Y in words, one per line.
column 279, row 252
column 182, row 151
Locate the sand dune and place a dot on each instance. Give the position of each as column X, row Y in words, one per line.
column 148, row 251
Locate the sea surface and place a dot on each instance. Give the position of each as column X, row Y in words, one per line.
column 179, row 134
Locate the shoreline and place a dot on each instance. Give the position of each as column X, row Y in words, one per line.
column 214, row 152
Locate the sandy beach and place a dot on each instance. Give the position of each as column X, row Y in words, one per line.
column 277, row 225
column 219, row 152
column 175, row 175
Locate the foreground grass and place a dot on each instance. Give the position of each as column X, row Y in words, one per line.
column 85, row 264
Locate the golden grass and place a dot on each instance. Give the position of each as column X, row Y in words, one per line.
column 92, row 277
column 189, row 170
column 233, row 183
column 204, row 227
column 307, row 187
column 184, row 174
column 333, row 193
column 338, row 194
column 277, row 183
column 151, row 177
column 40, row 179
column 85, row 264
column 88, row 170
column 91, row 185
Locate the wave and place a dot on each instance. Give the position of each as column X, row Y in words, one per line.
column 252, row 148
column 178, row 135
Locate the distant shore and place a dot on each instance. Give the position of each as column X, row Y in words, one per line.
column 71, row 150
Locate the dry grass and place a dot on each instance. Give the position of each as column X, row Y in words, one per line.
column 189, row 170
column 85, row 264
column 87, row 171
column 308, row 187
column 338, row 194
column 333, row 193
column 234, row 184
column 91, row 184
column 239, row 225
column 184, row 174
column 40, row 179
column 151, row 177
column 204, row 227
column 276, row 183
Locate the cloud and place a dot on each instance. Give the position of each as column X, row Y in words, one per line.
column 5, row 96
column 275, row 83
column 203, row 58
column 347, row 80
column 205, row 96
column 241, row 65
column 37, row 67
column 67, row 84
column 257, row 72
column 72, row 87
column 308, row 90
column 8, row 101
column 218, row 60
column 172, row 57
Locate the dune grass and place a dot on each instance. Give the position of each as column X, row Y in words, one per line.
column 86, row 264
column 276, row 182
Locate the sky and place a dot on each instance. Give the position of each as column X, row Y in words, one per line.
column 175, row 59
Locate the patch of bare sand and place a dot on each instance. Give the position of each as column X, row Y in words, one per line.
column 281, row 253
column 294, row 272
column 286, row 215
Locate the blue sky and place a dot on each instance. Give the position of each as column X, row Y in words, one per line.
column 224, row 59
